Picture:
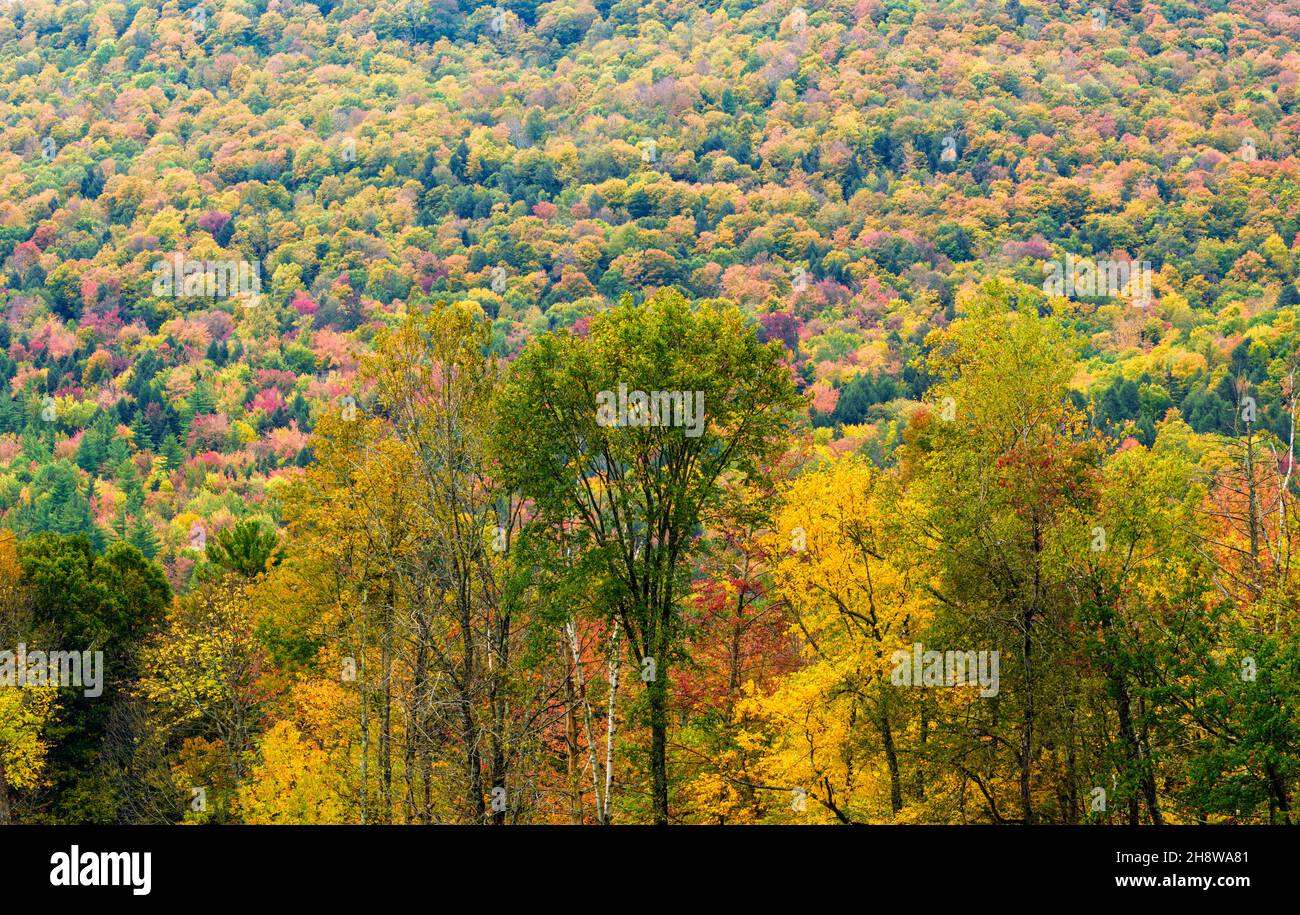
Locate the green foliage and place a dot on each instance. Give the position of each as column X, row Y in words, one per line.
column 245, row 548
column 97, row 602
column 628, row 489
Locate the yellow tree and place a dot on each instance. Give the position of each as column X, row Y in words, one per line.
column 399, row 536
column 831, row 730
column 203, row 679
column 26, row 710
column 291, row 783
column 330, row 608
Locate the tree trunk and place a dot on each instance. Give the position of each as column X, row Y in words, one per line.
column 421, row 717
column 1278, row 794
column 365, row 716
column 473, row 764
column 1027, row 723
column 614, row 659
column 386, row 724
column 500, row 714
column 571, row 743
column 1027, row 646
column 658, row 695
column 6, row 816
column 924, row 738
column 891, row 758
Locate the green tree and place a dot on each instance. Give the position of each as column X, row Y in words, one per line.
column 628, row 489
column 90, row 601
column 246, row 548
column 143, row 537
column 998, row 475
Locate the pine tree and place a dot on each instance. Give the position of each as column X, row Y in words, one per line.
column 140, row 431
column 172, row 451
column 120, row 528
column 202, row 402
column 143, row 537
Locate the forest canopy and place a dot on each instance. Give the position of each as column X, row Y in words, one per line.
column 855, row 411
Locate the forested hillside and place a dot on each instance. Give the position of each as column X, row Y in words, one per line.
column 976, row 326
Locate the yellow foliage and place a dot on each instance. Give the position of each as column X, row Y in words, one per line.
column 296, row 782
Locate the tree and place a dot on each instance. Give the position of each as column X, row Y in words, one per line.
column 26, row 710
column 435, row 384
column 295, row 781
column 400, row 532
column 202, row 678
column 245, row 548
column 143, row 537
column 91, row 602
column 995, row 471
column 63, row 286
column 627, row 481
column 854, row 607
